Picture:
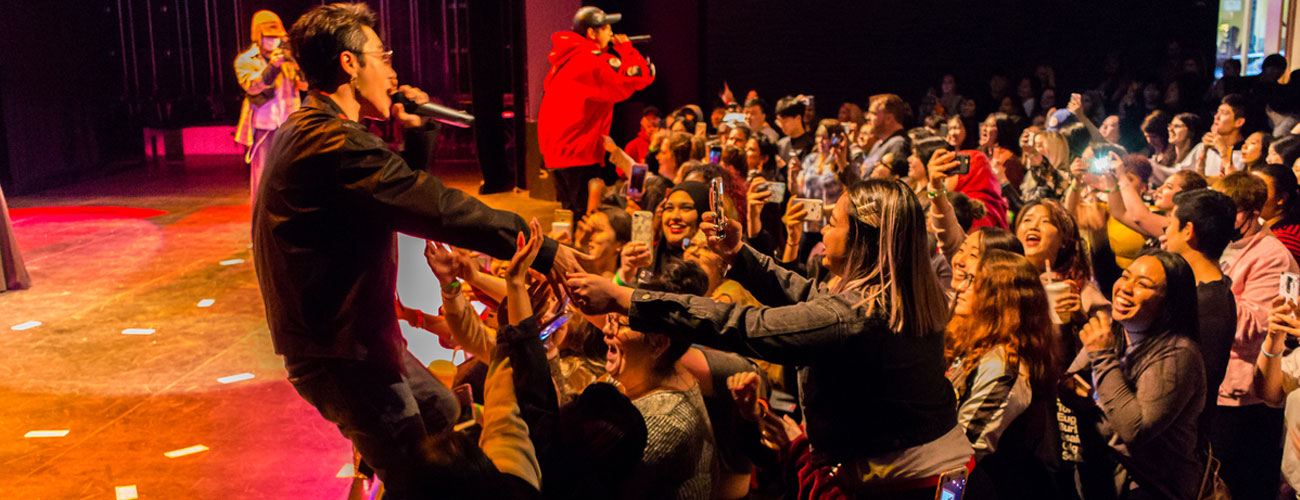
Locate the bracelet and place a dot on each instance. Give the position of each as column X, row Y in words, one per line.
column 935, row 194
column 618, row 280
column 1271, row 356
column 452, row 288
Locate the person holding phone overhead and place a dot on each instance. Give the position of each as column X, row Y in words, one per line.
column 584, row 83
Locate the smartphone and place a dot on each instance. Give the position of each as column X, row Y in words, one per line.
column 963, row 164
column 465, row 396
column 552, row 326
column 1101, row 165
column 1289, row 287
column 835, row 140
column 643, row 229
column 715, row 154
column 717, row 194
column 778, row 191
column 814, row 207
column 563, row 222
column 636, row 181
column 952, row 485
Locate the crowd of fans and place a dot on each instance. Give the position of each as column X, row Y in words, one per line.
column 1055, row 293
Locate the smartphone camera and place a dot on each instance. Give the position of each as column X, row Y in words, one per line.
column 1100, row 166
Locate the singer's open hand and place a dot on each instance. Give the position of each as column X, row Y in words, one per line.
column 399, row 112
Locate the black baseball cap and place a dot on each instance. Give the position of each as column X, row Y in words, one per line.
column 593, row 17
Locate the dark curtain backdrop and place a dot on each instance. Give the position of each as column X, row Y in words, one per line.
column 79, row 79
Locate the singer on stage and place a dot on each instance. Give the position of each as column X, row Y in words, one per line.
column 271, row 83
column 584, row 83
column 324, row 225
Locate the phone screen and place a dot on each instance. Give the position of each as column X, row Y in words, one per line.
column 636, row 180
column 715, row 154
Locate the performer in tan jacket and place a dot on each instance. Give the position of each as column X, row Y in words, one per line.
column 272, row 82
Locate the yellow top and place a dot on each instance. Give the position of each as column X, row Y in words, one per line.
column 1124, row 241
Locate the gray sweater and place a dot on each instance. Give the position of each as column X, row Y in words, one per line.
column 678, row 458
column 1151, row 398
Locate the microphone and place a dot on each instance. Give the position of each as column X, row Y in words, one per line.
column 638, row 39
column 438, row 113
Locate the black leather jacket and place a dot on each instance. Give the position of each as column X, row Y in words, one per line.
column 331, row 200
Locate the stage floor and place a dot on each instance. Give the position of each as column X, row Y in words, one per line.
column 139, row 338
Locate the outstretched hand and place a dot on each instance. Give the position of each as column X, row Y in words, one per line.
column 525, row 254
column 595, row 295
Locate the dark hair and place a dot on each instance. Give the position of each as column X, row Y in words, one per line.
column 1077, row 137
column 678, row 276
column 926, row 147
column 768, row 149
column 757, row 101
column 600, row 438
column 1157, row 124
column 1288, row 148
column 1194, row 125
column 1072, row 259
column 966, row 209
column 1190, row 179
column 791, row 106
column 1247, row 191
column 1008, row 135
column 1138, row 165
column 1274, row 61
column 1178, row 312
column 1213, row 216
column 620, row 221
column 996, row 238
column 679, row 144
column 1284, row 184
column 324, row 32
column 1237, row 103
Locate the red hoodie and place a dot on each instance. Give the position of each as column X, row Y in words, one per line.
column 981, row 184
column 579, row 94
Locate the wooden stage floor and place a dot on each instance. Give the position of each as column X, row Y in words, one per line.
column 141, row 252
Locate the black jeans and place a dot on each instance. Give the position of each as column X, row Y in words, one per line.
column 387, row 415
column 571, row 186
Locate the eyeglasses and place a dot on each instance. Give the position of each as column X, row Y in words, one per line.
column 384, row 55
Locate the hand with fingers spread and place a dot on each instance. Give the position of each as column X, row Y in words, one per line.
column 519, row 305
column 448, row 264
column 525, row 254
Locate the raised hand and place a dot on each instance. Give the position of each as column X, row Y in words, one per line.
column 595, row 295
column 1097, row 335
column 727, row 245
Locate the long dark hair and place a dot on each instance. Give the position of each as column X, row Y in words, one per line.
column 1284, row 185
column 1178, row 314
column 1008, row 132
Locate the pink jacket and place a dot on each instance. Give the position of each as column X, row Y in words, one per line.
column 1255, row 264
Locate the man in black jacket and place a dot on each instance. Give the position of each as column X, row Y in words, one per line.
column 324, row 226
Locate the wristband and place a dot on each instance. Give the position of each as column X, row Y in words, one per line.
column 618, row 280
column 1271, row 355
column 451, row 289
column 935, row 194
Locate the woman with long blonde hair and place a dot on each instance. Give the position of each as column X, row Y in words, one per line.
column 868, row 346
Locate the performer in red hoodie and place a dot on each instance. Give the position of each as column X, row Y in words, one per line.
column 578, row 97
